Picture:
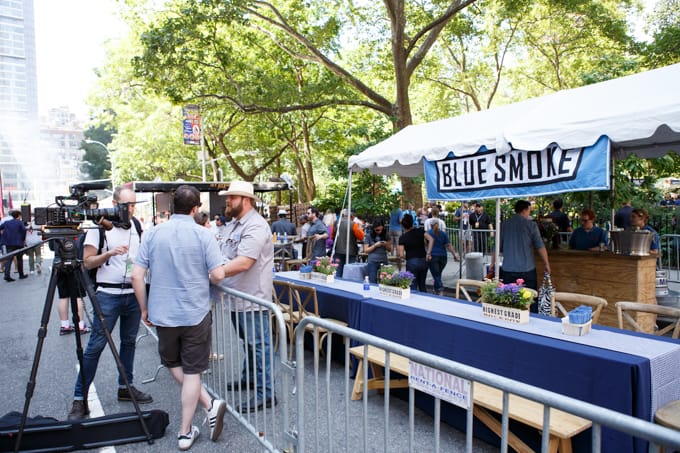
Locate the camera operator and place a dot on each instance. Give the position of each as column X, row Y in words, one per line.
column 116, row 299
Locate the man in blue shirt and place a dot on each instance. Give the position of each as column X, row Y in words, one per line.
column 519, row 238
column 14, row 237
column 184, row 258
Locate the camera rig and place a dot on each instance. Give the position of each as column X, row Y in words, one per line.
column 71, row 210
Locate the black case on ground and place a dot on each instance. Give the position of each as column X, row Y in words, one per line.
column 44, row 434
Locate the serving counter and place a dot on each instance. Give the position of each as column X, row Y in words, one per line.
column 608, row 275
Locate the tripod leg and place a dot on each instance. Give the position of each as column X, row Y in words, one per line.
column 42, row 333
column 85, row 279
column 73, row 285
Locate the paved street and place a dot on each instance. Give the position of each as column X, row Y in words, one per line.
column 24, row 301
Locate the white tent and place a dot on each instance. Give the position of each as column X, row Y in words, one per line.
column 639, row 113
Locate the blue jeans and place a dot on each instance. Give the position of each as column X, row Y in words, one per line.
column 254, row 330
column 126, row 308
column 372, row 270
column 437, row 265
column 418, row 267
column 340, row 259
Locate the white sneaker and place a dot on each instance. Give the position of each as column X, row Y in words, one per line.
column 185, row 441
column 216, row 418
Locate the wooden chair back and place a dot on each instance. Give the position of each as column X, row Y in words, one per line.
column 672, row 314
column 306, row 302
column 281, row 295
column 562, row 303
column 293, row 263
column 462, row 286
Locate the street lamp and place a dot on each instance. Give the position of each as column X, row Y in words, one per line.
column 97, row 142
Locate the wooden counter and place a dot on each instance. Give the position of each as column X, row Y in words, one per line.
column 610, row 276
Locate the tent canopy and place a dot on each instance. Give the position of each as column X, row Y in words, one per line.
column 640, row 114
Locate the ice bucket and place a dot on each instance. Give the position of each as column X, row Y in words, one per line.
column 628, row 242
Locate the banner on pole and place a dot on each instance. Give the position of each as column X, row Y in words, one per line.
column 191, row 124
column 518, row 173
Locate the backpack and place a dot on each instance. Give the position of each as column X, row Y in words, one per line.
column 92, row 273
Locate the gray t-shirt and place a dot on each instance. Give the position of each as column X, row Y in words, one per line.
column 318, row 227
column 519, row 238
column 250, row 236
column 180, row 254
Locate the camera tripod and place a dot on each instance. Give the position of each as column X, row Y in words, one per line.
column 69, row 267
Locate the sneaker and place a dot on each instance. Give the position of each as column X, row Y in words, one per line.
column 216, row 418
column 78, row 411
column 255, row 405
column 38, row 268
column 66, row 330
column 185, row 441
column 140, row 397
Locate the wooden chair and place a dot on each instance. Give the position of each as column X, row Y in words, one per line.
column 282, row 254
column 282, row 295
column 462, row 286
column 564, row 302
column 294, row 264
column 623, row 310
column 307, row 304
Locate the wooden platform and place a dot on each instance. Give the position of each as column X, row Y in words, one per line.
column 563, row 426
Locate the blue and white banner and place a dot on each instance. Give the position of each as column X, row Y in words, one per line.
column 518, row 173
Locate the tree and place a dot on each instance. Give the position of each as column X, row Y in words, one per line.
column 189, row 48
column 96, row 163
column 664, row 24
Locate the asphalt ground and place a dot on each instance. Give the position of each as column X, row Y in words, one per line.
column 24, row 302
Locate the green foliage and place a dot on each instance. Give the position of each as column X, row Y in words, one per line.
column 96, row 163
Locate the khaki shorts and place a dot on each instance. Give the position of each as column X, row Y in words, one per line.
column 186, row 346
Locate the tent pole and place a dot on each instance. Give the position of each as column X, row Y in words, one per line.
column 349, row 215
column 497, row 242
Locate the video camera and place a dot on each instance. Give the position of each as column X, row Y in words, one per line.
column 73, row 209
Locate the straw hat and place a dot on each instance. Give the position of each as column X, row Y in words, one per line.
column 240, row 188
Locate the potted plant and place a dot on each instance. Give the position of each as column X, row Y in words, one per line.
column 509, row 302
column 323, row 269
column 395, row 283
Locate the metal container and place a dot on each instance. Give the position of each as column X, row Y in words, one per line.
column 628, row 242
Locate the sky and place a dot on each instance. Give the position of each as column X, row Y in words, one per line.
column 70, row 37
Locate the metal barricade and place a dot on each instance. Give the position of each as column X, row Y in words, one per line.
column 242, row 342
column 337, row 424
column 670, row 256
column 323, row 418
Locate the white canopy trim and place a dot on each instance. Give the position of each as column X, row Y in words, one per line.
column 639, row 113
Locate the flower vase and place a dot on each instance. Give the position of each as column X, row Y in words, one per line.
column 323, row 278
column 504, row 313
column 394, row 291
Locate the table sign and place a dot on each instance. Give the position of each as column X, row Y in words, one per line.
column 509, row 314
column 394, row 291
column 439, row 384
column 324, row 278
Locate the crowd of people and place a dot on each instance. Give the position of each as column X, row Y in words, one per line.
column 235, row 249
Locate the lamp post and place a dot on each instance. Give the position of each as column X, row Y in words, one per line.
column 97, row 142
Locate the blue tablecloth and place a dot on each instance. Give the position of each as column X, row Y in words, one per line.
column 610, row 379
column 615, row 380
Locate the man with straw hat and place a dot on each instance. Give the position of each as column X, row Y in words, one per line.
column 249, row 253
